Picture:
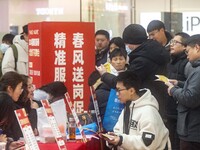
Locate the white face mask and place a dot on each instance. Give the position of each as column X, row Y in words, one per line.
column 4, row 47
column 128, row 50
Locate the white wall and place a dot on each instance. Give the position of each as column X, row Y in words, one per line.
column 4, row 12
column 22, row 12
column 71, row 10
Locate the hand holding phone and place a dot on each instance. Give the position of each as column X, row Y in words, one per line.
column 108, row 136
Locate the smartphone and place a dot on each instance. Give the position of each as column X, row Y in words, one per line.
column 108, row 136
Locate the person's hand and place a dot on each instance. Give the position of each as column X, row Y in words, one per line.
column 3, row 138
column 34, row 105
column 16, row 144
column 111, row 137
column 115, row 138
column 170, row 85
column 173, row 81
column 101, row 69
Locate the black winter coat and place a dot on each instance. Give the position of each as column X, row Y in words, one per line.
column 176, row 70
column 149, row 59
column 101, row 57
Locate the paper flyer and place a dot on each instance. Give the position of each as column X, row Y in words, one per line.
column 162, row 78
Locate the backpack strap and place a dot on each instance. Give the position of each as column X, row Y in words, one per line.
column 15, row 54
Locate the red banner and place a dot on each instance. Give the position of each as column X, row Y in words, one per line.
column 63, row 51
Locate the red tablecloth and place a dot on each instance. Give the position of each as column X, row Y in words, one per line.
column 92, row 144
column 70, row 146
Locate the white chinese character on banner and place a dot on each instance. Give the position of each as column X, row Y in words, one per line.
column 60, row 57
column 30, row 72
column 78, row 74
column 31, row 52
column 78, row 40
column 78, row 91
column 60, row 40
column 78, row 106
column 34, row 42
column 36, row 52
column 78, row 57
column 60, row 74
column 36, row 73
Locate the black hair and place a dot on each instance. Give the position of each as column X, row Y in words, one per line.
column 103, row 32
column 184, row 37
column 8, row 38
column 155, row 25
column 24, row 94
column 193, row 40
column 56, row 88
column 118, row 41
column 25, row 29
column 6, row 110
column 118, row 52
column 129, row 80
column 23, row 99
column 10, row 79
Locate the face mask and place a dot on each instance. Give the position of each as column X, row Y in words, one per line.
column 128, row 49
column 4, row 47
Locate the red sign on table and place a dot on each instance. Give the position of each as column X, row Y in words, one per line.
column 63, row 51
column 26, row 128
column 54, row 126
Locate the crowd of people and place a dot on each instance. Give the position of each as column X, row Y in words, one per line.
column 157, row 115
column 149, row 53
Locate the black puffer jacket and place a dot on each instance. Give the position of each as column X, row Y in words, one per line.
column 149, row 59
column 176, row 70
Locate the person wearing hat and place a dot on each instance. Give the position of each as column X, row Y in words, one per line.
column 147, row 59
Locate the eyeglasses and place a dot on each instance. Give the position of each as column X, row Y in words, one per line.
column 174, row 42
column 119, row 90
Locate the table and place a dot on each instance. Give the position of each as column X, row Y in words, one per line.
column 92, row 144
column 70, row 146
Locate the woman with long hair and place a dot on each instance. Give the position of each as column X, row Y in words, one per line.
column 10, row 91
column 26, row 101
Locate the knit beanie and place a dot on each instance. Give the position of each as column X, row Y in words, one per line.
column 134, row 34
